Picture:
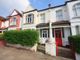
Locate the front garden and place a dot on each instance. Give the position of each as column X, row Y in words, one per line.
column 23, row 37
column 75, row 45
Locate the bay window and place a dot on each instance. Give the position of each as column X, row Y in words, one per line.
column 29, row 18
column 13, row 21
column 76, row 9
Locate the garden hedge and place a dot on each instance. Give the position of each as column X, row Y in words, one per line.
column 22, row 37
column 75, row 42
column 1, row 37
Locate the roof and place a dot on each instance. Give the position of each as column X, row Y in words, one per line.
column 58, row 23
column 29, row 11
column 49, row 7
column 57, row 6
column 2, row 18
column 16, row 11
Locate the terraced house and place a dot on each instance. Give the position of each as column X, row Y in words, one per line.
column 57, row 22
column 3, row 24
column 14, row 20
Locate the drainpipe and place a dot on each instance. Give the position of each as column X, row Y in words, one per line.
column 50, row 46
column 21, row 20
column 50, row 32
column 50, row 24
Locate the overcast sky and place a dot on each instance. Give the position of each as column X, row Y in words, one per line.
column 7, row 6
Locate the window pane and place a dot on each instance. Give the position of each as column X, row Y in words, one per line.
column 76, row 9
column 78, row 12
column 59, row 15
column 44, row 33
column 13, row 21
column 77, row 30
column 42, row 18
column 30, row 18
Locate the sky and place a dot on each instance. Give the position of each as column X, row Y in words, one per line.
column 7, row 6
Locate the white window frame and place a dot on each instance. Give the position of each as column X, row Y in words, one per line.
column 59, row 14
column 42, row 17
column 44, row 33
column 13, row 22
column 30, row 19
column 77, row 30
column 76, row 7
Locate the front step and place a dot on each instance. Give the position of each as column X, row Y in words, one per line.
column 62, row 52
column 41, row 48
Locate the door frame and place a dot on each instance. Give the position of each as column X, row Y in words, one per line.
column 61, row 34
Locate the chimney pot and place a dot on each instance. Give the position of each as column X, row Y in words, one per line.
column 49, row 5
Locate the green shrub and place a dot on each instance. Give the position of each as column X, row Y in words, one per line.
column 23, row 37
column 1, row 36
column 75, row 42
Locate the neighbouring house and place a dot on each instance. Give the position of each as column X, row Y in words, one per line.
column 57, row 22
column 15, row 19
column 3, row 24
column 30, row 18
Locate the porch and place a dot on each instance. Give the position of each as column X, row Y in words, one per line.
column 59, row 31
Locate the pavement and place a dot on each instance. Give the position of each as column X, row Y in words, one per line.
column 9, row 53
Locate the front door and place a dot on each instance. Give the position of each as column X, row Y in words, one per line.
column 58, row 36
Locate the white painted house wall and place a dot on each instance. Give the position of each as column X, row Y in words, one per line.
column 77, row 56
column 50, row 14
column 73, row 19
column 46, row 12
column 66, row 35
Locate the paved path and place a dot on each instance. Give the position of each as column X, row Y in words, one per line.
column 8, row 53
column 65, row 52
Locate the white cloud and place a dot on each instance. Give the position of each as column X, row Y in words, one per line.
column 9, row 5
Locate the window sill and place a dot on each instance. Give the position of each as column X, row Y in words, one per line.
column 27, row 23
column 75, row 17
column 12, row 26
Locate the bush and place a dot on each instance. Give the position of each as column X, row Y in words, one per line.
column 75, row 42
column 1, row 37
column 23, row 37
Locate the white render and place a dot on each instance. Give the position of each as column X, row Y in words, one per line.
column 50, row 15
column 77, row 56
column 66, row 35
column 50, row 49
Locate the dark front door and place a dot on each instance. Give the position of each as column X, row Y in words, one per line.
column 58, row 37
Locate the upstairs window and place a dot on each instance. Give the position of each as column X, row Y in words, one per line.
column 30, row 18
column 42, row 17
column 59, row 15
column 13, row 21
column 76, row 9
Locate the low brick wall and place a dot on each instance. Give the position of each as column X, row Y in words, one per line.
column 2, row 43
column 18, row 46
